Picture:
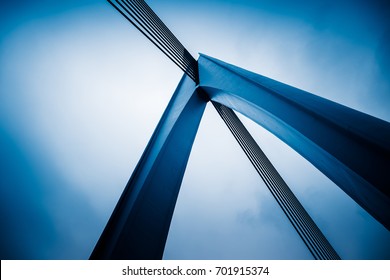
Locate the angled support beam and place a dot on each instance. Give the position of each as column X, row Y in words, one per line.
column 349, row 147
column 139, row 225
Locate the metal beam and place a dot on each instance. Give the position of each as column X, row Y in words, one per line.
column 349, row 147
column 139, row 225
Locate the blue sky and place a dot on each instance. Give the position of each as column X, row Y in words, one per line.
column 81, row 92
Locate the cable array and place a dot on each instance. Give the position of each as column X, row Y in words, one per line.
column 138, row 13
column 311, row 235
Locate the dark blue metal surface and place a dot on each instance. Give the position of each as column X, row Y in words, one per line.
column 349, row 147
column 139, row 225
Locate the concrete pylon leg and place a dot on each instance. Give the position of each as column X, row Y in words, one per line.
column 139, row 225
column 349, row 147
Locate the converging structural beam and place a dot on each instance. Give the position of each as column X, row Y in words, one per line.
column 349, row 147
column 139, row 225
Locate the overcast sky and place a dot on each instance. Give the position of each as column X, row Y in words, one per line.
column 81, row 91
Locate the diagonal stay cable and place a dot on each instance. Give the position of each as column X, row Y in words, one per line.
column 276, row 184
column 157, row 23
column 301, row 221
column 130, row 8
column 163, row 41
column 185, row 53
column 153, row 35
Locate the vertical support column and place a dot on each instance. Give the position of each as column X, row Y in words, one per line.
column 139, row 225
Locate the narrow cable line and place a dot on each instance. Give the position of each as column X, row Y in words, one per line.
column 289, row 212
column 309, row 223
column 161, row 32
column 273, row 189
column 318, row 237
column 156, row 22
column 278, row 195
column 295, row 212
column 319, row 242
column 140, row 29
column 155, row 34
column 186, row 54
column 160, row 23
column 305, row 219
column 139, row 14
column 140, row 21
